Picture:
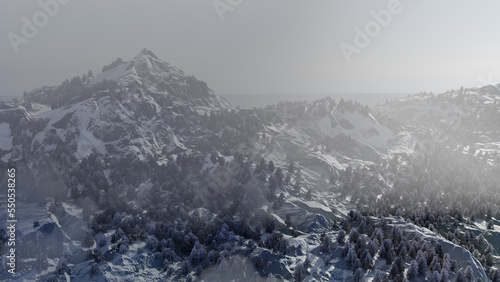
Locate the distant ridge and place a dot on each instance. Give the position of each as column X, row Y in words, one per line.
column 247, row 101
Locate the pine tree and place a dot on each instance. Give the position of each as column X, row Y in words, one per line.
column 327, row 245
column 378, row 276
column 446, row 264
column 357, row 264
column 341, row 237
column 461, row 277
column 366, row 259
column 386, row 251
column 435, row 264
column 444, row 275
column 422, row 263
column 351, row 256
column 279, row 176
column 198, row 253
column 346, row 249
column 488, row 259
column 491, row 225
column 436, row 277
column 469, row 274
column 480, row 239
column 398, row 267
column 271, row 226
column 413, row 271
column 354, row 235
column 271, row 166
column 372, row 247
column 359, row 275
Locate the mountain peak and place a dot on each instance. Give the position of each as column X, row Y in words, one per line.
column 146, row 52
column 151, row 74
column 146, row 74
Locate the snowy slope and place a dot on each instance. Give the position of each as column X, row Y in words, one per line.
column 115, row 164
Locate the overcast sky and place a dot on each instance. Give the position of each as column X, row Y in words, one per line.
column 261, row 46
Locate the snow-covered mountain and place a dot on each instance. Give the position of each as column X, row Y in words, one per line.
column 143, row 173
column 134, row 109
column 467, row 119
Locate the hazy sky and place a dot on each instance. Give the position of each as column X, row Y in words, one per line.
column 261, row 46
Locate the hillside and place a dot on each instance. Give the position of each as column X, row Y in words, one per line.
column 143, row 173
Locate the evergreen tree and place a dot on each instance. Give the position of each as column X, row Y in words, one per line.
column 288, row 220
column 469, row 274
column 436, row 277
column 279, row 176
column 460, row 277
column 445, row 275
column 491, row 225
column 359, row 275
column 422, row 263
column 341, row 237
column 357, row 265
column 366, row 259
column 412, row 272
column 271, row 166
column 351, row 257
column 353, row 235
column 378, row 276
